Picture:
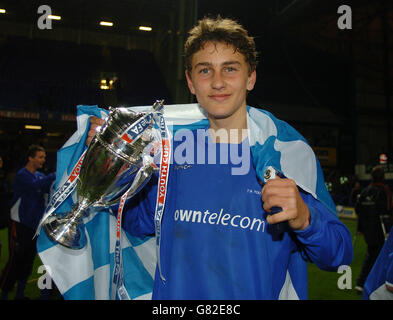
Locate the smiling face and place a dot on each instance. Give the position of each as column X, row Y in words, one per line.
column 220, row 78
column 37, row 162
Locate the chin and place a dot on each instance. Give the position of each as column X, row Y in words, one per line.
column 220, row 115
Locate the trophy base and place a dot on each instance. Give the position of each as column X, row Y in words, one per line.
column 66, row 232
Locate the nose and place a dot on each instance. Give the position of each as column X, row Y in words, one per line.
column 218, row 82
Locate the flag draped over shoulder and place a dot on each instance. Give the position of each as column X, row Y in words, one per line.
column 87, row 273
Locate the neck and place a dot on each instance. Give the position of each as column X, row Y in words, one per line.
column 29, row 167
column 232, row 129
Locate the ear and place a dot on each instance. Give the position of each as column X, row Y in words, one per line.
column 252, row 78
column 189, row 82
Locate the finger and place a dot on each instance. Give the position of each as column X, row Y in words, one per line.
column 270, row 191
column 273, row 201
column 96, row 121
column 93, row 129
column 277, row 217
column 281, row 182
column 274, row 184
column 283, row 187
column 88, row 140
column 93, row 119
column 90, row 135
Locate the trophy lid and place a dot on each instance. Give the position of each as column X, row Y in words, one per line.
column 121, row 118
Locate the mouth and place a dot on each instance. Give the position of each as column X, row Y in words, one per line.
column 219, row 97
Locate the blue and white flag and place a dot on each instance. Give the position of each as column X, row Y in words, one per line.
column 87, row 273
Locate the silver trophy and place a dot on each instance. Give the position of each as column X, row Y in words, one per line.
column 112, row 166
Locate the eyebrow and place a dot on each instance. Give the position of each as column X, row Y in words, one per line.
column 208, row 64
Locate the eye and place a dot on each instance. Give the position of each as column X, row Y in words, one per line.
column 204, row 71
column 230, row 69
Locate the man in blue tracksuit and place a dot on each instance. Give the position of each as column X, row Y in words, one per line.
column 27, row 207
column 218, row 236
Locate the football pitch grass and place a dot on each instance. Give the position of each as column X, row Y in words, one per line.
column 322, row 285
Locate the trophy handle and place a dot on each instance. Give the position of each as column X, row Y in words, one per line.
column 142, row 177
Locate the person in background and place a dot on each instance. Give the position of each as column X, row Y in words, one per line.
column 355, row 192
column 374, row 201
column 27, row 208
column 5, row 195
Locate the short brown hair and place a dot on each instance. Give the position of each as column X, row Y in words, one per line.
column 33, row 149
column 220, row 30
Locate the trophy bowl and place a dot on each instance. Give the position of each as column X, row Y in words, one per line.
column 113, row 164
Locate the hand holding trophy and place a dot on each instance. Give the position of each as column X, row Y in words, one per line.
column 118, row 160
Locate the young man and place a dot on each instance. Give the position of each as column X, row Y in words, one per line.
column 217, row 241
column 27, row 207
column 374, row 201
